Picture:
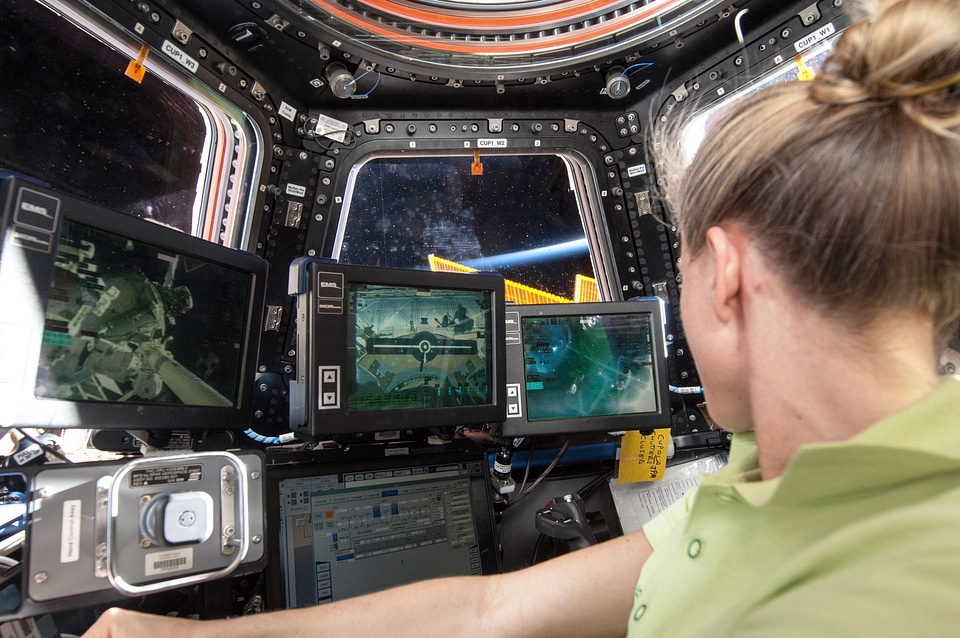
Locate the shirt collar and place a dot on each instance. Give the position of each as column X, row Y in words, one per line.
column 920, row 439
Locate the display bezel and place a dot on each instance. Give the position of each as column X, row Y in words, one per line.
column 26, row 275
column 519, row 423
column 349, row 460
column 326, row 362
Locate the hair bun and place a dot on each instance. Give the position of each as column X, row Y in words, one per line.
column 907, row 54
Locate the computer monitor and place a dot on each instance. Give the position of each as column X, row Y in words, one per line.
column 118, row 322
column 383, row 349
column 586, row 367
column 350, row 522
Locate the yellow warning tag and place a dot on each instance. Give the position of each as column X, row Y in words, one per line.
column 804, row 73
column 643, row 457
column 477, row 167
column 136, row 70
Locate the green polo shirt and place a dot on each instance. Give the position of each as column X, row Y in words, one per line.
column 857, row 538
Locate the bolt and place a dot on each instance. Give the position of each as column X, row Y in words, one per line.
column 228, row 530
column 144, row 543
column 255, row 476
column 40, row 577
column 255, row 539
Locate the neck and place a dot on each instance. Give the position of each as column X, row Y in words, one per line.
column 827, row 384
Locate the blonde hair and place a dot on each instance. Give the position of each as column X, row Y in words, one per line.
column 850, row 183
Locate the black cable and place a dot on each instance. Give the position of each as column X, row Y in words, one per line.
column 43, row 446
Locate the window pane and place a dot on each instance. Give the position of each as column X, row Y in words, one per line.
column 69, row 117
column 520, row 218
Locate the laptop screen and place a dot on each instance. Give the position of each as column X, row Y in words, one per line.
column 351, row 522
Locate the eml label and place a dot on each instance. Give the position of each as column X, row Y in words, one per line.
column 178, row 56
column 822, row 33
column 498, row 142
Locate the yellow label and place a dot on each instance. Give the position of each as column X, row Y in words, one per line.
column 644, row 457
column 135, row 70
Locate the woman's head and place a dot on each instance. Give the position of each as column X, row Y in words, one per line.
column 850, row 183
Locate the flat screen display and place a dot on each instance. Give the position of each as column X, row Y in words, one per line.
column 588, row 365
column 384, row 349
column 419, row 347
column 127, row 321
column 120, row 323
column 346, row 526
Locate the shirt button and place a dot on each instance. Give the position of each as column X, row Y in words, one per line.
column 694, row 548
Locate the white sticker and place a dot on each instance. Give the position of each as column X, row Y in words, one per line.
column 499, row 142
column 178, row 56
column 287, row 111
column 27, row 454
column 296, row 190
column 822, row 33
column 639, row 169
column 70, row 531
column 329, row 127
column 176, row 560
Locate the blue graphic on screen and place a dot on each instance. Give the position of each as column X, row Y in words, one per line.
column 419, row 348
column 579, row 366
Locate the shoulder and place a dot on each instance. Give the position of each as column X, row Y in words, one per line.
column 896, row 576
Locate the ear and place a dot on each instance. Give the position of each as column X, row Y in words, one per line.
column 725, row 258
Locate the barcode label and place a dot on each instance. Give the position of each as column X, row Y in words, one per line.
column 168, row 562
